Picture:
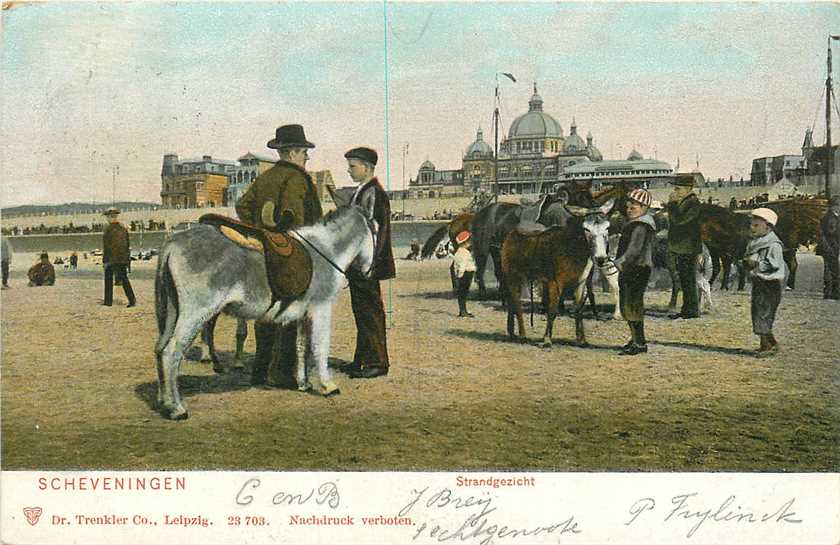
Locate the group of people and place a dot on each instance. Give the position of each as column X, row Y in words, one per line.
column 763, row 260
column 285, row 197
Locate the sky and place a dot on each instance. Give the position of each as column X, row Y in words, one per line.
column 89, row 86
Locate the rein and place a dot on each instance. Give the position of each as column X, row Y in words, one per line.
column 319, row 252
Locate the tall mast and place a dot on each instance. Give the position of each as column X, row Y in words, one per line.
column 496, row 143
column 828, row 124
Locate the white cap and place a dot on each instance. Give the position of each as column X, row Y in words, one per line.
column 767, row 215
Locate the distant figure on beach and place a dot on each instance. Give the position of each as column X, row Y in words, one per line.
column 830, row 249
column 116, row 258
column 74, row 261
column 42, row 273
column 414, row 254
column 6, row 260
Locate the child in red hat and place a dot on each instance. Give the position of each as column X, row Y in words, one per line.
column 463, row 265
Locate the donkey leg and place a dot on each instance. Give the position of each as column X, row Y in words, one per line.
column 318, row 348
column 480, row 266
column 553, row 293
column 241, row 335
column 612, row 279
column 172, row 355
column 580, row 295
column 207, row 336
column 303, row 362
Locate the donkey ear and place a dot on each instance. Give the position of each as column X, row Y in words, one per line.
column 606, row 207
column 578, row 211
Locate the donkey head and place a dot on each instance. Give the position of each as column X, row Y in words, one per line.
column 596, row 227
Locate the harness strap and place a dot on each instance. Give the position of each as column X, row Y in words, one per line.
column 319, row 252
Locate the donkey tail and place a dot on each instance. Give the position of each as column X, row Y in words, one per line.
column 432, row 243
column 166, row 297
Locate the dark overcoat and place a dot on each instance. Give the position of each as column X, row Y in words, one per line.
column 830, row 231
column 115, row 245
column 684, row 226
column 383, row 260
column 291, row 190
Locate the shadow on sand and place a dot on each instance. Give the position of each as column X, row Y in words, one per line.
column 706, row 348
column 500, row 337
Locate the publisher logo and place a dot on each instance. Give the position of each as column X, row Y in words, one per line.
column 32, row 514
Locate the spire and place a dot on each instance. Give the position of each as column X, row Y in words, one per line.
column 536, row 102
column 479, row 135
column 573, row 128
column 589, row 138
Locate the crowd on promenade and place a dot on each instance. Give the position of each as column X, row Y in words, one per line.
column 70, row 228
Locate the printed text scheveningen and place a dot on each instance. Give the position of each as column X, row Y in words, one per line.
column 112, row 483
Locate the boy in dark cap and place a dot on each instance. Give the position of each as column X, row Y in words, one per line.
column 371, row 357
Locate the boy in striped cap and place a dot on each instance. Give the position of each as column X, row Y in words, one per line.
column 634, row 262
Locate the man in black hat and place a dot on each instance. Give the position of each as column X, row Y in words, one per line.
column 684, row 241
column 116, row 258
column 830, row 249
column 280, row 198
column 371, row 357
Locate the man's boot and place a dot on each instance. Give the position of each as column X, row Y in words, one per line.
column 264, row 334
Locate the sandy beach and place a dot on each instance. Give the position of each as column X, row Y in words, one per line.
column 79, row 386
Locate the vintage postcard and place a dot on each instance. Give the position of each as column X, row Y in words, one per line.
column 419, row 272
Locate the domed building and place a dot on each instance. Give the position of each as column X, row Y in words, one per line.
column 532, row 157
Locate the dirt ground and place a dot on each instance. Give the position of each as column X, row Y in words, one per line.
column 79, row 383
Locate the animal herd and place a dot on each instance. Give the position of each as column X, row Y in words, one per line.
column 202, row 274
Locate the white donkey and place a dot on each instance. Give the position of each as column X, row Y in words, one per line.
column 201, row 273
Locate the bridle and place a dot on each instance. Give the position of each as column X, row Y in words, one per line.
column 371, row 229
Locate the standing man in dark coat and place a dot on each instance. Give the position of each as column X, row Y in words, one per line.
column 281, row 198
column 371, row 357
column 116, row 258
column 684, row 241
column 830, row 249
column 5, row 259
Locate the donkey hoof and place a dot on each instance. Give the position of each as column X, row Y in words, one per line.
column 330, row 389
column 545, row 344
column 219, row 369
column 304, row 387
column 178, row 413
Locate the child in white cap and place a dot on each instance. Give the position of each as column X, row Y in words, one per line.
column 763, row 259
column 463, row 268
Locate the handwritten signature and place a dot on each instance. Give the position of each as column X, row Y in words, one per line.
column 478, row 524
column 326, row 493
column 728, row 511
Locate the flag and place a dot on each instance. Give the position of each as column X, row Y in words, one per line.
column 513, row 79
column 835, row 37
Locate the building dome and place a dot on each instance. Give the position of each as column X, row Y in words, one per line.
column 574, row 142
column 594, row 153
column 427, row 165
column 535, row 123
column 635, row 156
column 479, row 148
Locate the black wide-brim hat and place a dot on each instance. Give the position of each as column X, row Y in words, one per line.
column 363, row 154
column 289, row 136
column 111, row 212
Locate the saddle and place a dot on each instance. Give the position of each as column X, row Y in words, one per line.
column 530, row 228
column 287, row 262
column 532, row 212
